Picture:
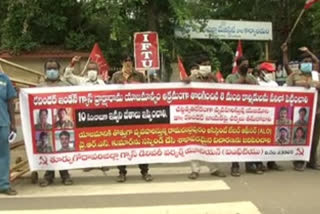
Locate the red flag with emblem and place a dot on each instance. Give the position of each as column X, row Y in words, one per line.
column 97, row 57
column 237, row 56
column 309, row 3
column 183, row 73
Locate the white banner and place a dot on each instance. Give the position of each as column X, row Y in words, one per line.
column 224, row 29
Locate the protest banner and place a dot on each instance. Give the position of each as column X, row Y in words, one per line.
column 77, row 127
column 146, row 51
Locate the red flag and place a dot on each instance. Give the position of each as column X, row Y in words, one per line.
column 237, row 56
column 183, row 73
column 97, row 57
column 219, row 77
column 309, row 3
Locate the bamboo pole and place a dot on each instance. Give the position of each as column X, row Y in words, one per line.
column 19, row 165
column 85, row 67
column 22, row 67
column 23, row 81
column 295, row 25
column 19, row 174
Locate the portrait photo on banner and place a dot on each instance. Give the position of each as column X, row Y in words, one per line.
column 301, row 116
column 44, row 142
column 284, row 116
column 283, row 135
column 63, row 118
column 299, row 136
column 42, row 119
column 64, row 141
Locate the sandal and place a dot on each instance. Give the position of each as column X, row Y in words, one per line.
column 219, row 174
column 121, row 178
column 9, row 191
column 235, row 172
column 45, row 183
column 147, row 177
column 193, row 175
column 67, row 181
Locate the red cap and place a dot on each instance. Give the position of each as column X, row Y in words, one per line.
column 267, row 66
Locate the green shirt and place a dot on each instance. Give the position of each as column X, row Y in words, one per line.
column 298, row 77
column 233, row 78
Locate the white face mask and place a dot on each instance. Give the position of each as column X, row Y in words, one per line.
column 205, row 69
column 92, row 75
column 269, row 76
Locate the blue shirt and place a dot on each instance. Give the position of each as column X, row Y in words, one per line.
column 7, row 92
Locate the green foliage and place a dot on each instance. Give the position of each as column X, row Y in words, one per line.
column 78, row 24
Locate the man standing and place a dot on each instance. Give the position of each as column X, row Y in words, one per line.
column 7, row 124
column 304, row 78
column 128, row 75
column 91, row 74
column 121, row 77
column 242, row 77
column 52, row 79
column 266, row 77
column 202, row 73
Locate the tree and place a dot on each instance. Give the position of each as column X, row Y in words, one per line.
column 78, row 24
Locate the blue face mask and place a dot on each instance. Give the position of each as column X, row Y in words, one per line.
column 306, row 67
column 52, row 74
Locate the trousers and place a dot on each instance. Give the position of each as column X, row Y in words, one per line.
column 144, row 168
column 4, row 158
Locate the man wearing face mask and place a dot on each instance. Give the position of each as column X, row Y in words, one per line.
column 122, row 76
column 266, row 77
column 202, row 73
column 266, row 74
column 242, row 77
column 91, row 75
column 307, row 58
column 306, row 78
column 52, row 79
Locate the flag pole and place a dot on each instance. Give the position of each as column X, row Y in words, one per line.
column 85, row 67
column 295, row 25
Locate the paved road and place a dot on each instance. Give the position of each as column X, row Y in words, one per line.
column 171, row 192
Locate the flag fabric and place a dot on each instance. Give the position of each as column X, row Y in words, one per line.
column 309, row 3
column 96, row 56
column 239, row 54
column 183, row 73
column 219, row 77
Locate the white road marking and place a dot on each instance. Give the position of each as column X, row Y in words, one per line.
column 243, row 207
